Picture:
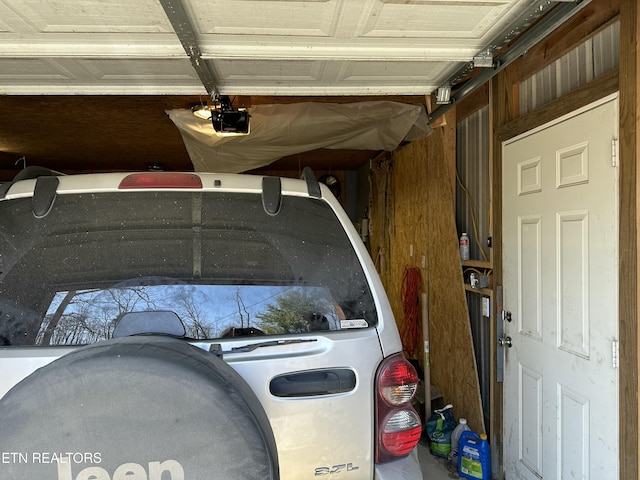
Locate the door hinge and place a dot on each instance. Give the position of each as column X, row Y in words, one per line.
column 615, row 353
column 614, row 152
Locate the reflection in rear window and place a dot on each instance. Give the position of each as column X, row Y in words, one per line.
column 216, row 259
column 205, row 311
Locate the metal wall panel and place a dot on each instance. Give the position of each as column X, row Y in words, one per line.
column 481, row 334
column 596, row 56
column 472, row 163
column 474, row 178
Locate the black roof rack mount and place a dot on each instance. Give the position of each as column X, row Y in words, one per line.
column 313, row 187
column 28, row 173
column 271, row 195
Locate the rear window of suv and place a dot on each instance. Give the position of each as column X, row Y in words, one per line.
column 218, row 260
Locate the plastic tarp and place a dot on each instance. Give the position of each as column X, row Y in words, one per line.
column 280, row 130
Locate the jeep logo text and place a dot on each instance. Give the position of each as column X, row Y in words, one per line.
column 126, row 471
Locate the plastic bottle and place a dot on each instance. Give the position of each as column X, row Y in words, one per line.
column 474, row 456
column 464, row 246
column 455, row 438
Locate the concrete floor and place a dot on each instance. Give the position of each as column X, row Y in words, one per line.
column 434, row 468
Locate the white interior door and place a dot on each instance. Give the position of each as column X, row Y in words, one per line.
column 560, row 237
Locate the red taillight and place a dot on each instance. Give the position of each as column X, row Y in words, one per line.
column 161, row 180
column 398, row 382
column 398, row 426
column 401, row 432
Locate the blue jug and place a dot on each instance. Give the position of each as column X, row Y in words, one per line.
column 474, row 456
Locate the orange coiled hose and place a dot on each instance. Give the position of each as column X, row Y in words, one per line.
column 410, row 331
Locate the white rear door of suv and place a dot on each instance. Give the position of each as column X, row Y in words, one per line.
column 263, row 275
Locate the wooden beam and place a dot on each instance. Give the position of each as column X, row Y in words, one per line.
column 499, row 93
column 473, row 103
column 449, row 146
column 580, row 97
column 629, row 146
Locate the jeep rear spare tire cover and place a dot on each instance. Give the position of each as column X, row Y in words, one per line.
column 143, row 407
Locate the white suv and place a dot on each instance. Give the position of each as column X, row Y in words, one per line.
column 181, row 326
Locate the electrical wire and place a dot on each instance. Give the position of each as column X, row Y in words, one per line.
column 473, row 215
column 410, row 331
column 484, row 271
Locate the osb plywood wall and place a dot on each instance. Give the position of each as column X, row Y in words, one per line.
column 413, row 226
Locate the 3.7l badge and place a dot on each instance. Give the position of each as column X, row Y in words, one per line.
column 343, row 467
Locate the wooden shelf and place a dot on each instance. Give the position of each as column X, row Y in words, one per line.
column 487, row 292
column 480, row 266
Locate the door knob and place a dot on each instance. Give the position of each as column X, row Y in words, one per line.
column 505, row 341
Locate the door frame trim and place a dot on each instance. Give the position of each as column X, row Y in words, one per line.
column 574, row 113
column 505, row 127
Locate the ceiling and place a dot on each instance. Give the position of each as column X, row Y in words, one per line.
column 84, row 84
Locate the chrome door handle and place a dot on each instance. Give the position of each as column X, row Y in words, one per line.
column 505, row 341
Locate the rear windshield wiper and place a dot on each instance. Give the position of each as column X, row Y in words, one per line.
column 216, row 349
